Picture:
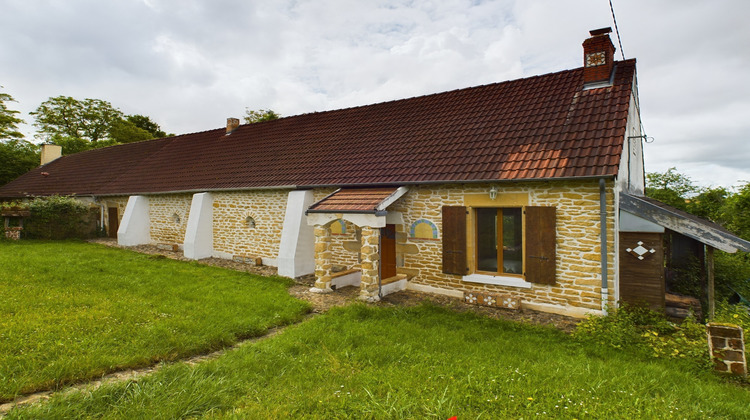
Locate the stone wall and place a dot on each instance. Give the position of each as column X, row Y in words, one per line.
column 578, row 279
column 249, row 223
column 169, row 216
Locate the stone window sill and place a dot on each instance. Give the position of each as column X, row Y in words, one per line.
column 498, row 280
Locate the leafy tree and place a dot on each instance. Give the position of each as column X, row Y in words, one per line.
column 89, row 119
column 8, row 120
column 72, row 145
column 124, row 131
column 17, row 157
column 736, row 212
column 708, row 204
column 670, row 187
column 255, row 116
column 91, row 123
column 144, row 123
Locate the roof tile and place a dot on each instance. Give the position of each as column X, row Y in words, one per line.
column 537, row 127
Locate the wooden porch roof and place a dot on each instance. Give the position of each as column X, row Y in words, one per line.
column 701, row 230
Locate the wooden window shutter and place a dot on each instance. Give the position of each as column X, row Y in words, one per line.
column 540, row 245
column 454, row 240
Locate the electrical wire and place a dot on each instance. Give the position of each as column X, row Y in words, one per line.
column 617, row 30
column 622, row 52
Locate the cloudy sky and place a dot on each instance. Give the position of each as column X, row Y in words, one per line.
column 190, row 64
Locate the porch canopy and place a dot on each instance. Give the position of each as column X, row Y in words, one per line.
column 358, row 200
column 649, row 215
column 367, row 208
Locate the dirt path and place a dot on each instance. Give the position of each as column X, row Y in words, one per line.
column 320, row 303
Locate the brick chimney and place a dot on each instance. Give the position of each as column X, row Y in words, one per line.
column 232, row 124
column 50, row 152
column 598, row 56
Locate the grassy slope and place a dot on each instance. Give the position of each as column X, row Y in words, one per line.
column 71, row 311
column 365, row 362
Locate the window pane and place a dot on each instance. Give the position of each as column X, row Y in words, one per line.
column 512, row 241
column 487, row 240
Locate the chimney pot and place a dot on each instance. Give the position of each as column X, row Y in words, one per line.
column 50, row 152
column 232, row 124
column 602, row 31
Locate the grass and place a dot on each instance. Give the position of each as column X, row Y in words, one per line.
column 72, row 311
column 422, row 362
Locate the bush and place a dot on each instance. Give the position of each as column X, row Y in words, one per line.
column 58, row 217
column 647, row 333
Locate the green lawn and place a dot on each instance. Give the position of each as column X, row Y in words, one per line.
column 72, row 311
column 423, row 362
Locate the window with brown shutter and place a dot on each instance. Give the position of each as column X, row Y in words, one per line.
column 499, row 243
column 454, row 240
column 540, row 244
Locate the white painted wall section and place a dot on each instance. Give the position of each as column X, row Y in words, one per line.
column 135, row 225
column 297, row 248
column 199, row 234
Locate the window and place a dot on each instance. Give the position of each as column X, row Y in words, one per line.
column 499, row 240
column 513, row 246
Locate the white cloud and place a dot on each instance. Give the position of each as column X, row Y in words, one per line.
column 190, row 64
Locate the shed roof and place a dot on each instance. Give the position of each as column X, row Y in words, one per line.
column 687, row 224
column 540, row 127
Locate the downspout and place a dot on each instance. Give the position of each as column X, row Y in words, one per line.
column 603, row 228
column 380, row 264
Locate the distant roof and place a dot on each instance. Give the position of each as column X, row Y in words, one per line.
column 540, row 127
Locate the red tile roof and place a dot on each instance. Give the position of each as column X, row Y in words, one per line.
column 348, row 200
column 534, row 128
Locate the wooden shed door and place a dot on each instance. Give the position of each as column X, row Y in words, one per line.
column 388, row 251
column 114, row 222
column 642, row 269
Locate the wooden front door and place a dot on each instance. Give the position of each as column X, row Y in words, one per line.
column 642, row 269
column 388, row 251
column 114, row 222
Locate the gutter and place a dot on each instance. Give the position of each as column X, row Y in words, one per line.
column 603, row 246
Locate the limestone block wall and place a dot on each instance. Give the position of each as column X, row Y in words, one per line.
column 169, row 216
column 344, row 244
column 578, row 252
column 249, row 223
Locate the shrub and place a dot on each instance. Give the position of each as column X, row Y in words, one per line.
column 647, row 333
column 58, row 217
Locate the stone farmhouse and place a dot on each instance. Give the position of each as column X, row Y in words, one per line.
column 520, row 193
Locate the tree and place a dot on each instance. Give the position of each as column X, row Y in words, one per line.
column 8, row 120
column 89, row 119
column 736, row 212
column 124, row 131
column 256, row 116
column 670, row 187
column 144, row 123
column 17, row 156
column 708, row 204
